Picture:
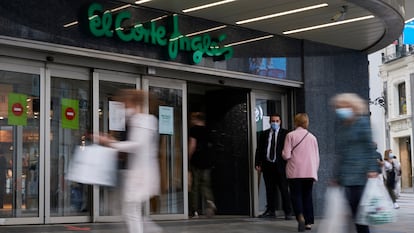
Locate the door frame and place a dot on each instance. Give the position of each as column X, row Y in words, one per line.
column 37, row 68
column 116, row 77
column 148, row 81
column 260, row 94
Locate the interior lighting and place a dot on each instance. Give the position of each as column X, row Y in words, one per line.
column 205, row 31
column 112, row 10
column 142, row 1
column 207, row 6
column 248, row 41
column 328, row 25
column 282, row 13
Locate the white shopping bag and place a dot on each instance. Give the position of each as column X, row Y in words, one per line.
column 337, row 214
column 375, row 206
column 93, row 164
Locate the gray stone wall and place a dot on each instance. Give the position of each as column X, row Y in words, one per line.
column 327, row 71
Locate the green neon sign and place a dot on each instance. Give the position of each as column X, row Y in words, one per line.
column 105, row 24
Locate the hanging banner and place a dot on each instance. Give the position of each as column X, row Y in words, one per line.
column 17, row 114
column 70, row 113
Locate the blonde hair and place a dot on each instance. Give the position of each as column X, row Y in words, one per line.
column 358, row 105
column 301, row 120
column 387, row 154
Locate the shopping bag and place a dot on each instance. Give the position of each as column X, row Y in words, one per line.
column 375, row 206
column 336, row 214
column 93, row 164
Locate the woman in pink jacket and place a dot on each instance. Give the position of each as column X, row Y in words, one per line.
column 302, row 155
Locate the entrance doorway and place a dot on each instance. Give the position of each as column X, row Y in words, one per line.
column 405, row 158
column 226, row 111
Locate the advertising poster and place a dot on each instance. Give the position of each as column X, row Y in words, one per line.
column 17, row 114
column 70, row 113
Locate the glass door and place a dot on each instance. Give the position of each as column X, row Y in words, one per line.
column 107, row 199
column 69, row 124
column 21, row 151
column 264, row 104
column 170, row 108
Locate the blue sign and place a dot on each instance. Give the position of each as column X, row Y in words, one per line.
column 408, row 33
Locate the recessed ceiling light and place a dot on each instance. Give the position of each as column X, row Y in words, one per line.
column 207, row 6
column 282, row 13
column 249, row 40
column 142, row 1
column 328, row 25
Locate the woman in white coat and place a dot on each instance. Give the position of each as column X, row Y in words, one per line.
column 141, row 179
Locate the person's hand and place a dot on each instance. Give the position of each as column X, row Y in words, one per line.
column 258, row 168
column 104, row 139
column 333, row 182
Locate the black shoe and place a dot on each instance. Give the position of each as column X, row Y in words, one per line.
column 268, row 214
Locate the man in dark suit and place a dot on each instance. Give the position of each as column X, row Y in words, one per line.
column 269, row 161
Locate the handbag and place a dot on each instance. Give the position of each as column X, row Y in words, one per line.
column 375, row 206
column 336, row 214
column 93, row 164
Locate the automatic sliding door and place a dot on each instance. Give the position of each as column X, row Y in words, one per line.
column 264, row 104
column 170, row 110
column 70, row 125
column 109, row 85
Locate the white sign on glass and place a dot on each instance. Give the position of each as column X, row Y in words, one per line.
column 116, row 116
column 166, row 120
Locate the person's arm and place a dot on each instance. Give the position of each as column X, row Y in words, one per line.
column 192, row 144
column 287, row 148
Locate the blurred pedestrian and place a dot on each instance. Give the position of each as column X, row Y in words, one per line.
column 201, row 162
column 269, row 161
column 390, row 175
column 357, row 160
column 141, row 179
column 302, row 155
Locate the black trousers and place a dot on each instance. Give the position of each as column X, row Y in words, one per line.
column 302, row 200
column 274, row 179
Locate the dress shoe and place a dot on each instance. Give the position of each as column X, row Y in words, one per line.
column 267, row 214
column 308, row 227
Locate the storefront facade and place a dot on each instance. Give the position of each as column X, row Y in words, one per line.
column 60, row 69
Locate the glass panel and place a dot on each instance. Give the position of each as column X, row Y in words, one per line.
column 109, row 196
column 19, row 144
column 264, row 108
column 402, row 99
column 171, row 200
column 70, row 119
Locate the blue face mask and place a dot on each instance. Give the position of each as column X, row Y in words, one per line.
column 275, row 126
column 344, row 113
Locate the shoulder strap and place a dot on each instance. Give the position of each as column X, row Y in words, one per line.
column 300, row 141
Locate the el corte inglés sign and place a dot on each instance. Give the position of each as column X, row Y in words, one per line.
column 105, row 24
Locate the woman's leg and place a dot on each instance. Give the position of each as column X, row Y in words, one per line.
column 307, row 185
column 132, row 212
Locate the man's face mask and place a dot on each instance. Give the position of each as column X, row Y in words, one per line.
column 275, row 126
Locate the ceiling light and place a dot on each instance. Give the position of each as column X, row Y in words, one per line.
column 112, row 10
column 142, row 1
column 282, row 13
column 205, row 31
column 207, row 5
column 328, row 25
column 249, row 40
